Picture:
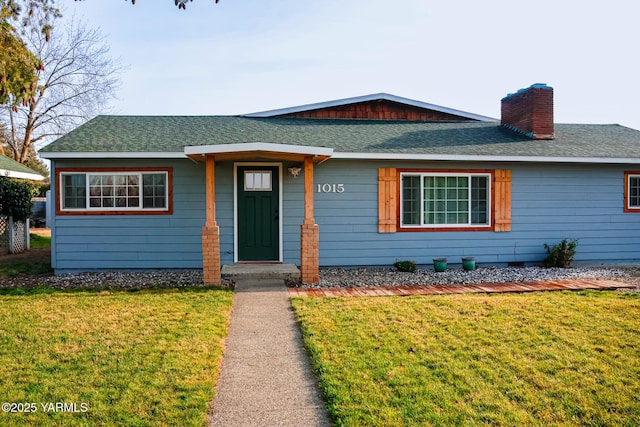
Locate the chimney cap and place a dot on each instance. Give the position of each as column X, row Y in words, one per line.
column 533, row 86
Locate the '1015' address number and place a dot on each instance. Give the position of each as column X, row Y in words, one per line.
column 330, row 188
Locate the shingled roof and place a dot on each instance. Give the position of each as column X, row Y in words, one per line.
column 167, row 136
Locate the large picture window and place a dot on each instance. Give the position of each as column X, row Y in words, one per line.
column 122, row 191
column 445, row 200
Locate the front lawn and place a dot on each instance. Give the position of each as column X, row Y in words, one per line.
column 554, row 358
column 149, row 357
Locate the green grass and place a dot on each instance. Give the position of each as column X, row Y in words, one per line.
column 554, row 358
column 38, row 241
column 149, row 357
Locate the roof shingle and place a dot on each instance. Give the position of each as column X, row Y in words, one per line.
column 169, row 134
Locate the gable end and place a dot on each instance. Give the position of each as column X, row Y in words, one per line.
column 381, row 109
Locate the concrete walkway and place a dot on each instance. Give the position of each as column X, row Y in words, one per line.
column 265, row 378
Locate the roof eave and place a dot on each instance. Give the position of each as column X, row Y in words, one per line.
column 485, row 158
column 52, row 155
column 198, row 152
column 21, row 175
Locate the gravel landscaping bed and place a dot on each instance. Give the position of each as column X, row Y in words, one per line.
column 369, row 277
column 120, row 280
column 332, row 277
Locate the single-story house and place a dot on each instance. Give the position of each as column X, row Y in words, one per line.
column 354, row 182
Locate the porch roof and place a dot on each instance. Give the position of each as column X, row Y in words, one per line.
column 258, row 150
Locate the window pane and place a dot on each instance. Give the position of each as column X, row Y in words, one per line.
column 257, row 181
column 154, row 191
column 75, row 191
column 446, row 200
column 479, row 202
column 634, row 191
column 411, row 200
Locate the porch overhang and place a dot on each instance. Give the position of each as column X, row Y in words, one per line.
column 258, row 151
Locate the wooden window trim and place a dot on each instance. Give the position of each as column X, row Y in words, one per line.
column 489, row 227
column 387, row 200
column 61, row 212
column 627, row 178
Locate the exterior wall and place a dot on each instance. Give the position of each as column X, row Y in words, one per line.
column 102, row 242
column 549, row 203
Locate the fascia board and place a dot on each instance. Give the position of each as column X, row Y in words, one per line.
column 22, row 175
column 114, row 155
column 258, row 146
column 477, row 158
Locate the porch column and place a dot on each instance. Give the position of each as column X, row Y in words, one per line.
column 309, row 233
column 211, row 232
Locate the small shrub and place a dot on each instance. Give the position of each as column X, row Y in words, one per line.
column 407, row 266
column 560, row 255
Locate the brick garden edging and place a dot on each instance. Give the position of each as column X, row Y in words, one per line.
column 546, row 285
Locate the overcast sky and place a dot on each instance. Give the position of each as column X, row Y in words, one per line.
column 243, row 56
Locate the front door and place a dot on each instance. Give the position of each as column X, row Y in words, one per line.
column 258, row 213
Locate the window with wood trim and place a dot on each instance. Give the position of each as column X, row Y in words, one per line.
column 445, row 200
column 632, row 191
column 114, row 191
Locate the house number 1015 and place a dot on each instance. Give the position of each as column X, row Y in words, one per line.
column 330, row 188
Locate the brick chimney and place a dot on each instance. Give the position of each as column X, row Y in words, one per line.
column 530, row 111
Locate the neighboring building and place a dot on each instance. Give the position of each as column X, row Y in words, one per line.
column 359, row 181
column 12, row 169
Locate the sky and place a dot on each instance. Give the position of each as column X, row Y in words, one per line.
column 244, row 56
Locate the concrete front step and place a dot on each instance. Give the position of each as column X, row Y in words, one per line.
column 259, row 271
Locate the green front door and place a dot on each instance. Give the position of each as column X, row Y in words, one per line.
column 258, row 213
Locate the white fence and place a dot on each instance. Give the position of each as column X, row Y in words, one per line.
column 14, row 235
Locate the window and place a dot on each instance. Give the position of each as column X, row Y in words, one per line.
column 128, row 191
column 632, row 192
column 445, row 200
column 257, row 181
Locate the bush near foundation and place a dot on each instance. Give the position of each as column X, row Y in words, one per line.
column 406, row 266
column 560, row 255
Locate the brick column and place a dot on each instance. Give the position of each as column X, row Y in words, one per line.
column 309, row 231
column 309, row 270
column 211, row 231
column 211, row 255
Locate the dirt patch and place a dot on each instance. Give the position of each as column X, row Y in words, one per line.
column 30, row 256
column 33, row 255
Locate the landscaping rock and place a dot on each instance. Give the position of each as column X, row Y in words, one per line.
column 368, row 277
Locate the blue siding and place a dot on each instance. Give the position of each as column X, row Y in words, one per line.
column 174, row 241
column 550, row 202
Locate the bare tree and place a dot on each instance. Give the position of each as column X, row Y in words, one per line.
column 78, row 80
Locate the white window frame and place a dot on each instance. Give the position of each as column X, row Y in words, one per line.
column 262, row 174
column 139, row 208
column 469, row 175
column 631, row 207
